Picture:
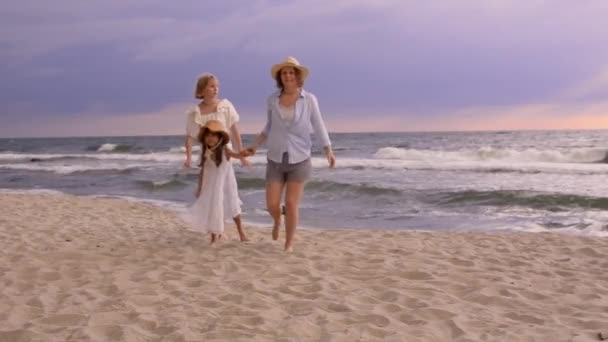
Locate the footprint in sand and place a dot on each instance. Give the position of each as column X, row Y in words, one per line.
column 524, row 318
column 232, row 298
column 411, row 320
column 300, row 307
column 64, row 320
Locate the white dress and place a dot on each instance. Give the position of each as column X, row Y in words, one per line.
column 219, row 200
column 226, row 114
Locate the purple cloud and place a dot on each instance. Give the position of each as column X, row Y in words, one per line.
column 72, row 59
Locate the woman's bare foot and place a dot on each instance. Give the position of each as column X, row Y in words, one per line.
column 288, row 249
column 275, row 232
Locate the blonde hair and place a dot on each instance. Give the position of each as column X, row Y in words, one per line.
column 201, row 84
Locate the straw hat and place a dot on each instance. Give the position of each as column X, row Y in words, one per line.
column 291, row 62
column 215, row 126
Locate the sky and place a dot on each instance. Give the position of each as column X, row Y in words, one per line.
column 128, row 67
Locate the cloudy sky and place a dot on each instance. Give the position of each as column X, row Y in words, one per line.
column 128, row 67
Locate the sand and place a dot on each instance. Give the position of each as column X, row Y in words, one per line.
column 93, row 269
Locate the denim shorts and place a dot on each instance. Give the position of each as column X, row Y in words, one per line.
column 285, row 172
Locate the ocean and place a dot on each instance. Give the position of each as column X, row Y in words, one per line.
column 436, row 181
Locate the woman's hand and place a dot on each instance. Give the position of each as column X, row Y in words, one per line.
column 331, row 159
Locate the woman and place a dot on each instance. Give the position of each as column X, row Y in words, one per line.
column 293, row 114
column 210, row 107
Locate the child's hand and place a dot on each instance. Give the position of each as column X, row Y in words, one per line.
column 187, row 163
column 244, row 161
column 248, row 152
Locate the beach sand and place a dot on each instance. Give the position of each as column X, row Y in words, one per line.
column 92, row 269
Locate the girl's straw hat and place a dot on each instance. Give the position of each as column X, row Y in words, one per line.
column 215, row 126
column 291, row 62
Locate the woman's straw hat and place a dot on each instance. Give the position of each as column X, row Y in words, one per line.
column 289, row 62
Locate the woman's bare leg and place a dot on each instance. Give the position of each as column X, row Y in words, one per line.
column 239, row 228
column 274, row 192
column 292, row 211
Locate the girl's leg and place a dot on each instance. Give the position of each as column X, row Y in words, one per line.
column 274, row 191
column 239, row 228
column 292, row 211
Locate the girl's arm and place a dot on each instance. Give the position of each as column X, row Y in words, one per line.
column 261, row 138
column 230, row 153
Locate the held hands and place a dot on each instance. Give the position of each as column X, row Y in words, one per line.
column 187, row 163
column 248, row 152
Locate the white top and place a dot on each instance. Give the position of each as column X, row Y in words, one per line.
column 287, row 114
column 295, row 137
column 226, row 114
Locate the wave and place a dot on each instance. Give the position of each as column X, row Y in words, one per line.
column 359, row 189
column 251, row 183
column 487, row 154
column 70, row 169
column 150, row 157
column 536, row 200
column 108, row 147
column 182, row 149
column 325, row 186
column 166, row 184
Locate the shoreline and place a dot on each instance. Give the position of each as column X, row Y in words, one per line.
column 105, row 269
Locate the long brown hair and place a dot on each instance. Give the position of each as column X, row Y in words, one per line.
column 218, row 153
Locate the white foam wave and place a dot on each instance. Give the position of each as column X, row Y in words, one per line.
column 595, row 228
column 31, row 191
column 451, row 165
column 107, row 147
column 68, row 169
column 487, row 153
column 182, row 149
column 152, row 157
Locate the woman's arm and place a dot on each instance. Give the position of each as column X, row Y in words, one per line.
column 261, row 138
column 234, row 132
column 188, row 144
column 199, row 187
column 319, row 126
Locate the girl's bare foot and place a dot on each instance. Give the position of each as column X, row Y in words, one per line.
column 288, row 249
column 213, row 239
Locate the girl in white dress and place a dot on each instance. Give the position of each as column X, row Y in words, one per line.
column 216, row 193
